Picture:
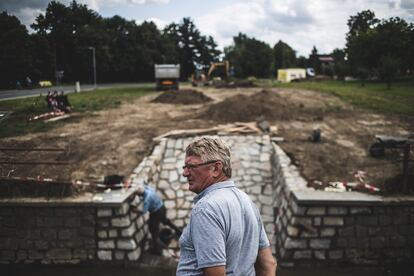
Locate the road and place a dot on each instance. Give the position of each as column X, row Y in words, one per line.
column 25, row 93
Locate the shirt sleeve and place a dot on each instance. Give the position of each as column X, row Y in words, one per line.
column 263, row 240
column 147, row 199
column 208, row 235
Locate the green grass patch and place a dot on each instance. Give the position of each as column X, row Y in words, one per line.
column 373, row 96
column 18, row 122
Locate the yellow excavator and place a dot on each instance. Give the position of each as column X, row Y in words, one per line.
column 214, row 74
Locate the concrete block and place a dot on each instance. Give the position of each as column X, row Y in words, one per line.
column 104, row 212
column 119, row 255
column 126, row 244
column 327, row 232
column 295, row 243
column 315, row 211
column 302, row 254
column 36, row 255
column 121, row 222
column 123, row 210
column 385, row 220
column 333, row 221
column 109, row 244
column 320, row 243
column 335, row 254
column 102, row 234
column 360, row 211
column 80, row 254
column 134, row 255
column 72, row 222
column 113, row 233
column 319, row 254
column 59, row 254
column 348, row 231
column 129, row 232
column 105, row 255
column 337, row 210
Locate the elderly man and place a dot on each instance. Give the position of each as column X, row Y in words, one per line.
column 225, row 234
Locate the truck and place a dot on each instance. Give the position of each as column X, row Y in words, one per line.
column 167, row 76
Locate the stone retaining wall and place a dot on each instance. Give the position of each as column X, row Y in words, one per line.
column 36, row 231
column 326, row 228
column 306, row 227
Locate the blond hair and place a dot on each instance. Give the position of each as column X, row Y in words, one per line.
column 209, row 149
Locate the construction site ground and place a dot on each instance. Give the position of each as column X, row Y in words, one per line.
column 114, row 141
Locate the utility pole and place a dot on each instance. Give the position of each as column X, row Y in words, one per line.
column 94, row 66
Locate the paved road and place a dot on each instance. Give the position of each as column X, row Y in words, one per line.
column 25, row 93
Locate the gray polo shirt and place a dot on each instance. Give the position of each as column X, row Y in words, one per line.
column 225, row 228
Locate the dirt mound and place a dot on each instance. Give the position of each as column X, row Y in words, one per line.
column 267, row 104
column 187, row 96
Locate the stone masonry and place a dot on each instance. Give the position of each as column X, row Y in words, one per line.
column 306, row 227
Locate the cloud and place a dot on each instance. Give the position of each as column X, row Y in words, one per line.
column 301, row 24
column 158, row 22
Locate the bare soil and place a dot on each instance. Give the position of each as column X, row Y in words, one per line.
column 114, row 141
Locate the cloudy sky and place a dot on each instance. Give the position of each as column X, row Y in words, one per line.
column 300, row 23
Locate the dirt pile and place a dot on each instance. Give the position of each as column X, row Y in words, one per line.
column 266, row 104
column 187, row 96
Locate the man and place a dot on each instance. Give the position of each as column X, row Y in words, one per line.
column 225, row 234
column 158, row 214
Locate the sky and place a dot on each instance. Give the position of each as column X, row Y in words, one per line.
column 301, row 24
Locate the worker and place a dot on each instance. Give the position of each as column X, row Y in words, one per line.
column 158, row 214
column 225, row 234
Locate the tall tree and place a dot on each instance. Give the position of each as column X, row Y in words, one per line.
column 64, row 27
column 284, row 55
column 15, row 56
column 192, row 48
column 250, row 57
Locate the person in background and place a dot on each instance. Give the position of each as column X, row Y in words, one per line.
column 158, row 214
column 225, row 234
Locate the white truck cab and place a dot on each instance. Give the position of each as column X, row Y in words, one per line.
column 167, row 76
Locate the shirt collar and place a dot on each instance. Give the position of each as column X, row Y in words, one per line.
column 215, row 186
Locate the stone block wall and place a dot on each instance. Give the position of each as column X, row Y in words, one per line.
column 46, row 234
column 326, row 228
column 56, row 232
column 120, row 233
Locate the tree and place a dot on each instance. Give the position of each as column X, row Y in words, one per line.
column 15, row 56
column 284, row 56
column 388, row 69
column 314, row 60
column 250, row 57
column 66, row 28
column 360, row 44
column 191, row 48
column 340, row 67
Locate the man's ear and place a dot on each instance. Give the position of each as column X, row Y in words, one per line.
column 217, row 169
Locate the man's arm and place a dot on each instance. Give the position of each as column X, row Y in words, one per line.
column 265, row 263
column 215, row 271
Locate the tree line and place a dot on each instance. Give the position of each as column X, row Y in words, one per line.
column 126, row 51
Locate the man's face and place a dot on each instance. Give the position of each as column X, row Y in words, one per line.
column 199, row 178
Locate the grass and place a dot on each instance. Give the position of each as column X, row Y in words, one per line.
column 374, row 96
column 18, row 122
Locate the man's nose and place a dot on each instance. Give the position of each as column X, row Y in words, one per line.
column 185, row 172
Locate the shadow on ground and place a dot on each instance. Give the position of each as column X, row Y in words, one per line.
column 160, row 266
